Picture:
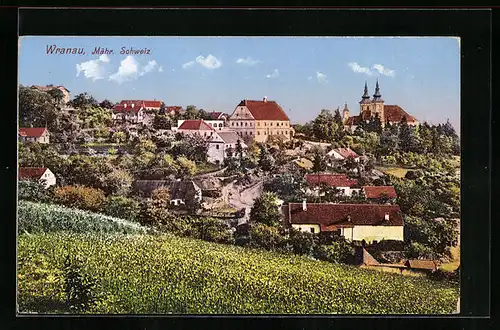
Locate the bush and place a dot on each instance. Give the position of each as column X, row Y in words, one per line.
column 442, row 275
column 81, row 197
column 212, row 230
column 417, row 250
column 264, row 236
column 161, row 194
column 339, row 251
column 302, row 242
column 44, row 218
column 79, row 286
column 33, row 191
column 153, row 213
column 122, row 207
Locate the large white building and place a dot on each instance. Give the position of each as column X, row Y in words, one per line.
column 135, row 111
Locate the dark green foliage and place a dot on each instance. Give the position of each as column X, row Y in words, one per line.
column 33, row 191
column 339, row 251
column 265, row 237
column 121, row 207
column 265, row 210
column 212, row 230
column 289, row 187
column 302, row 242
column 79, row 286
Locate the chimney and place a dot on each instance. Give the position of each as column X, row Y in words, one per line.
column 304, row 205
column 132, row 105
column 265, row 99
column 386, row 218
column 125, row 105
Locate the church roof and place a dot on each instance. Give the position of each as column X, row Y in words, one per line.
column 394, row 113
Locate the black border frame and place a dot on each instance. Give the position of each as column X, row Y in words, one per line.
column 472, row 26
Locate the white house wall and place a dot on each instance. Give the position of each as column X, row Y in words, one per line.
column 377, row 233
column 307, row 228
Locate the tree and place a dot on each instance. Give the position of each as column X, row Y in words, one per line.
column 83, row 101
column 106, row 104
column 163, row 109
column 302, row 242
column 81, row 197
column 289, row 187
column 186, row 167
column 337, row 118
column 319, row 163
column 407, row 136
column 323, row 128
column 239, row 150
column 33, row 191
column 121, row 207
column 162, row 122
column 57, row 96
column 118, row 182
column 119, row 137
column 266, row 160
column 374, row 125
column 36, row 109
column 265, row 237
column 265, row 210
column 212, row 230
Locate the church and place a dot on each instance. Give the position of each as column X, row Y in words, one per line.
column 370, row 107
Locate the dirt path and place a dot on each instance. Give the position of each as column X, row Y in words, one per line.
column 206, row 175
column 242, row 198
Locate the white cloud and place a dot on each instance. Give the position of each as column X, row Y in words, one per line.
column 309, row 78
column 209, row 62
column 130, row 70
column 188, row 64
column 359, row 69
column 275, row 74
column 93, row 69
column 384, row 71
column 247, row 61
column 160, row 69
column 321, row 77
column 375, row 68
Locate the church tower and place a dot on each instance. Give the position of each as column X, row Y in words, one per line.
column 378, row 104
column 364, row 104
column 345, row 112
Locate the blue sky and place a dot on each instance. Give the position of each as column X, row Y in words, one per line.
column 304, row 75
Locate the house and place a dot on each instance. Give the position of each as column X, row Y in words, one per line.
column 184, row 191
column 258, row 120
column 48, row 88
column 380, row 193
column 34, row 134
column 391, row 114
column 216, row 124
column 420, row 265
column 355, row 222
column 135, row 111
column 217, row 115
column 221, row 144
column 339, row 181
column 343, row 154
column 40, row 174
column 173, row 110
column 195, row 127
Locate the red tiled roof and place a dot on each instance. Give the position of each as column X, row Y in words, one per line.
column 35, row 132
column 332, row 215
column 332, row 180
column 265, row 110
column 173, row 108
column 346, row 152
column 421, row 264
column 394, row 113
column 195, row 125
column 138, row 105
column 31, row 172
column 379, row 191
column 215, row 115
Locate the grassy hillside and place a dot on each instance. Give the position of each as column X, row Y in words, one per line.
column 44, row 218
column 166, row 274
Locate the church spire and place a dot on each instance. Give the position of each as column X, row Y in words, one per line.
column 377, row 96
column 365, row 98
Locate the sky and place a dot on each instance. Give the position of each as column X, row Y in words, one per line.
column 303, row 74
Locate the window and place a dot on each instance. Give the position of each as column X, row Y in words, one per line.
column 217, row 146
column 312, row 230
column 232, row 124
column 258, row 124
column 236, row 124
column 214, row 125
column 246, row 123
column 286, row 132
column 220, row 125
column 264, row 132
column 258, row 133
column 250, row 133
column 246, row 133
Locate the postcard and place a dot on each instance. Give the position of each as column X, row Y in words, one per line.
column 238, row 175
